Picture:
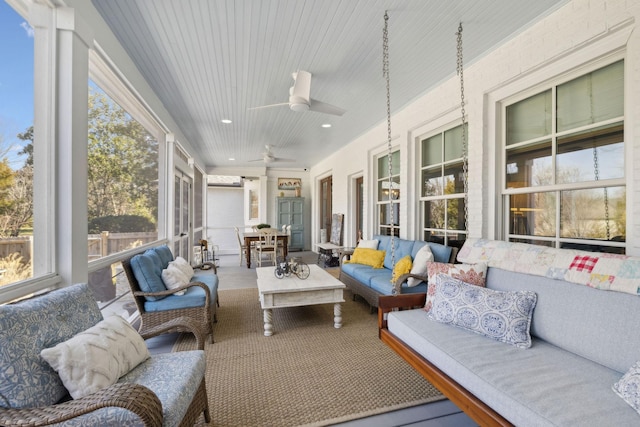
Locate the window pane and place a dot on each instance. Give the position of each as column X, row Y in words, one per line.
column 533, row 214
column 590, row 156
column 122, row 175
column 383, row 189
column 383, row 167
column 592, row 98
column 395, row 163
column 385, row 214
column 598, row 213
column 432, row 150
column 434, row 236
column 455, row 214
column 16, row 150
column 529, row 166
column 453, row 179
column 432, row 182
column 453, row 144
column 529, row 118
column 434, row 214
column 176, row 206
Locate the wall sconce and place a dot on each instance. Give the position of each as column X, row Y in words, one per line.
column 191, row 162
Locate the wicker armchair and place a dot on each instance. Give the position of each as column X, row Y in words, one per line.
column 203, row 314
column 126, row 394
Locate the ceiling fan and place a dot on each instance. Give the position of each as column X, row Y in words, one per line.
column 299, row 99
column 269, row 157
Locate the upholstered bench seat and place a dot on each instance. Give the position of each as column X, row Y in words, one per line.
column 193, row 297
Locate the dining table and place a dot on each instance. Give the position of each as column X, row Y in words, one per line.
column 254, row 236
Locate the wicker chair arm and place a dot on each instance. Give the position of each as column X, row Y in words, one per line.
column 179, row 324
column 134, row 397
column 173, row 291
column 398, row 285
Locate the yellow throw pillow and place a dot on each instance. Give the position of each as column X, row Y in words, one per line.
column 372, row 257
column 402, row 267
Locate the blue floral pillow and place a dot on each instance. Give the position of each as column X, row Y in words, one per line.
column 503, row 316
column 628, row 388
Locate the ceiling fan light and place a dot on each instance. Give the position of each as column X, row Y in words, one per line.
column 300, row 107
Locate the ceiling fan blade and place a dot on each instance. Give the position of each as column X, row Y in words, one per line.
column 268, row 106
column 280, row 159
column 301, row 87
column 322, row 107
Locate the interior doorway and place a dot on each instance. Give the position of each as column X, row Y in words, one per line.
column 359, row 211
column 326, row 189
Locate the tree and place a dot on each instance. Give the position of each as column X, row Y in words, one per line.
column 19, row 210
column 122, row 163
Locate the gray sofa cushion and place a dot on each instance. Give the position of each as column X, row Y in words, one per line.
column 540, row 386
column 599, row 325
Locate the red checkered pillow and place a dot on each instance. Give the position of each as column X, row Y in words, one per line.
column 474, row 274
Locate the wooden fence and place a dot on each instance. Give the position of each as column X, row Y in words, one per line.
column 99, row 245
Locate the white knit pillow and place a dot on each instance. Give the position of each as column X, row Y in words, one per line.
column 98, row 357
column 173, row 277
column 369, row 244
column 419, row 266
column 183, row 265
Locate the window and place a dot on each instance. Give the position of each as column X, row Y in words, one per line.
column 389, row 191
column 16, row 151
column 442, row 195
column 123, row 192
column 564, row 164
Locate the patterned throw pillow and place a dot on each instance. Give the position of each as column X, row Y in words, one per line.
column 628, row 388
column 402, row 267
column 503, row 316
column 371, row 257
column 96, row 358
column 474, row 274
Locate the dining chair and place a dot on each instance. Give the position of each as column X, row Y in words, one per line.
column 242, row 247
column 267, row 245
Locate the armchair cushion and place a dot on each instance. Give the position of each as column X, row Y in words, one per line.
column 147, row 268
column 98, row 357
column 27, row 380
column 165, row 254
column 193, row 297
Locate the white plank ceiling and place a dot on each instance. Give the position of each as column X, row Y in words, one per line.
column 210, row 60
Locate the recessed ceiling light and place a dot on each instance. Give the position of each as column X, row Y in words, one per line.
column 232, row 158
column 326, row 125
column 227, row 121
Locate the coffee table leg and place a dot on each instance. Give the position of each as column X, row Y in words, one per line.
column 337, row 315
column 268, row 326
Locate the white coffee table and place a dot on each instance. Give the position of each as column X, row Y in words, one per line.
column 319, row 288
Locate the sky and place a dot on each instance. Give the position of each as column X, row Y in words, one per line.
column 16, row 80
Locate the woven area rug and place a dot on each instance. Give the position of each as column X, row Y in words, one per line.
column 308, row 372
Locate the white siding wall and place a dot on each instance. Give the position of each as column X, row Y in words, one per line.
column 577, row 34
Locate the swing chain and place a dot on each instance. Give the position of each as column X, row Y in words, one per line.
column 465, row 156
column 385, row 74
column 606, row 194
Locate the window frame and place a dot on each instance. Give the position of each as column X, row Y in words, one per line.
column 386, row 229
column 107, row 77
column 448, row 235
column 504, row 193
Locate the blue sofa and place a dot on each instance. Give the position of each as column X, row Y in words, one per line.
column 164, row 390
column 157, row 304
column 583, row 339
column 370, row 283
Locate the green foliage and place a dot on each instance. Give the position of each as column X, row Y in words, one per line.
column 121, row 224
column 6, row 183
column 123, row 165
column 263, row 225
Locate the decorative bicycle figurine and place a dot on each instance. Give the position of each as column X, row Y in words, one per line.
column 294, row 266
